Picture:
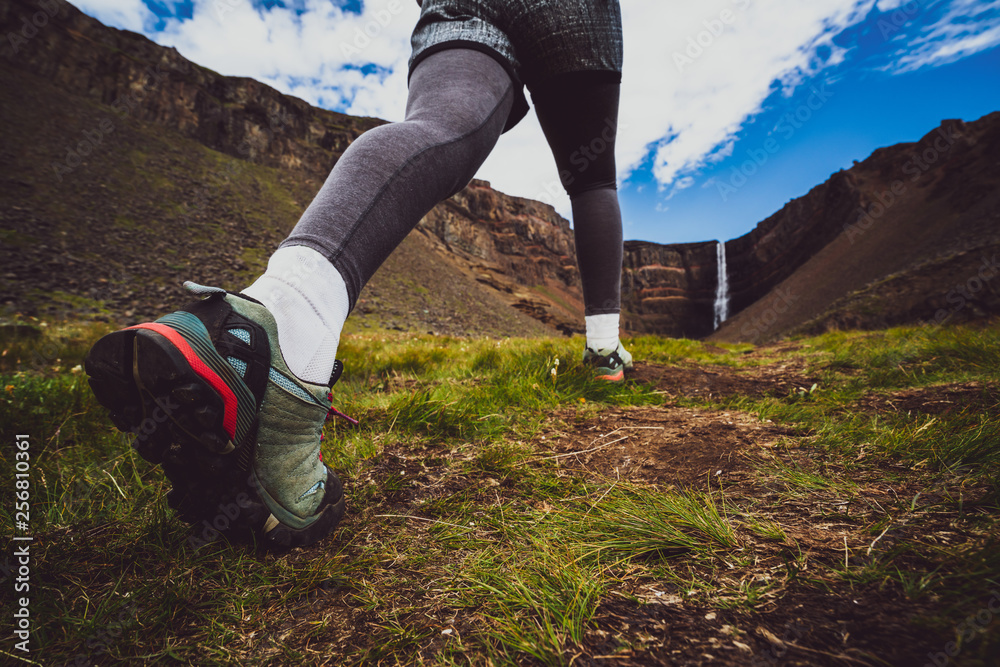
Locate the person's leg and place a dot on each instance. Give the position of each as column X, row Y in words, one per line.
column 381, row 187
column 579, row 116
column 229, row 394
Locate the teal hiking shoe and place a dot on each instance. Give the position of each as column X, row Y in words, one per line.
column 609, row 364
column 208, row 396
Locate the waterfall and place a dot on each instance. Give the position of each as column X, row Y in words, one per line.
column 722, row 291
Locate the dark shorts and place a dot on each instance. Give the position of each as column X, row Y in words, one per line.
column 535, row 40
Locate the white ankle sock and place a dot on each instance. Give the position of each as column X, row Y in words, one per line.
column 602, row 331
column 308, row 299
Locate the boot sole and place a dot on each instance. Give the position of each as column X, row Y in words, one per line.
column 179, row 419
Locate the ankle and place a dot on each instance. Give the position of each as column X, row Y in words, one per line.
column 602, row 331
column 308, row 299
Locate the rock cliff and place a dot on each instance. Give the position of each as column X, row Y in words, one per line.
column 906, row 236
column 669, row 289
column 141, row 79
column 124, row 164
column 519, row 250
column 777, row 246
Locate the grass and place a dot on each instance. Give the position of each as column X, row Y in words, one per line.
column 799, row 480
column 468, row 540
column 645, row 523
column 537, row 607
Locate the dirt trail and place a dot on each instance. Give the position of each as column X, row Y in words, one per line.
column 804, row 614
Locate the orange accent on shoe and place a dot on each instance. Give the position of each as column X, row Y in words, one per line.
column 617, row 377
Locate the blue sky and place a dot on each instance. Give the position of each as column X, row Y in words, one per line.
column 803, row 87
column 864, row 111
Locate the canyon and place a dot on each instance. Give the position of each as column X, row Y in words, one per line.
column 122, row 158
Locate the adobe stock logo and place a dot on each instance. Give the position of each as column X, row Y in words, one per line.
column 786, row 127
column 93, row 138
column 31, row 25
column 915, row 168
column 965, row 631
column 889, row 24
column 775, row 304
column 372, row 29
column 964, row 293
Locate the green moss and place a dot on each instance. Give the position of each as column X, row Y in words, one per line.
column 16, row 239
column 545, row 291
column 255, row 259
column 61, row 302
column 125, row 222
column 462, row 519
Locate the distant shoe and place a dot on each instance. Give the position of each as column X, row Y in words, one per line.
column 609, row 364
column 209, row 397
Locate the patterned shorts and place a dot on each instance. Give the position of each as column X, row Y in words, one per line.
column 535, row 40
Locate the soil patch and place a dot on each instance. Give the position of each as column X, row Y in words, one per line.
column 841, row 627
column 722, row 381
column 662, row 445
column 946, row 399
column 801, row 615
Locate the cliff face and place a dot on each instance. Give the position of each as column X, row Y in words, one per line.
column 884, row 243
column 907, row 236
column 520, row 250
column 761, row 259
column 140, row 79
column 669, row 289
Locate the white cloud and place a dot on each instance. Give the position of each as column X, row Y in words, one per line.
column 315, row 52
column 688, row 113
column 695, row 73
column 965, row 27
column 128, row 14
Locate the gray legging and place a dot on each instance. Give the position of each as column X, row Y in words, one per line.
column 458, row 104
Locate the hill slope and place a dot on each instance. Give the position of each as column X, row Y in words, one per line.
column 128, row 169
column 150, row 208
column 907, row 233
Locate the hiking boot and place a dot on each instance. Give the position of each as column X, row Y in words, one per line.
column 609, row 364
column 208, row 396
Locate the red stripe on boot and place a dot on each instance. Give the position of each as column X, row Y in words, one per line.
column 202, row 369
